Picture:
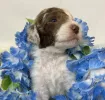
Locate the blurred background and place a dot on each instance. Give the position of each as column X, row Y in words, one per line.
column 13, row 14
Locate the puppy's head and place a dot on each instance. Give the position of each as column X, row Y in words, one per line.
column 54, row 27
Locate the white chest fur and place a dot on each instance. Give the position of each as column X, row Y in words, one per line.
column 49, row 74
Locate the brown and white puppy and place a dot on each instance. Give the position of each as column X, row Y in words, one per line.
column 54, row 31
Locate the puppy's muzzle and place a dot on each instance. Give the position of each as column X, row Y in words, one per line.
column 75, row 28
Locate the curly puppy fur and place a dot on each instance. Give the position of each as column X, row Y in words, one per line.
column 54, row 30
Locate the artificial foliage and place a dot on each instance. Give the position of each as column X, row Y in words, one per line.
column 15, row 66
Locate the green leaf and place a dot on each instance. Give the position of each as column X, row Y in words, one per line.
column 5, row 82
column 30, row 20
column 86, row 50
column 13, row 86
column 73, row 57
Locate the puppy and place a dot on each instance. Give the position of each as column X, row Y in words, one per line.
column 53, row 31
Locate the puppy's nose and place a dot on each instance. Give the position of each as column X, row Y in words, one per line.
column 75, row 28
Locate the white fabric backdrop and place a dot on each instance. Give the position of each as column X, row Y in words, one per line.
column 14, row 12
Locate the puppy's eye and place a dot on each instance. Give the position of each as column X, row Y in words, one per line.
column 53, row 20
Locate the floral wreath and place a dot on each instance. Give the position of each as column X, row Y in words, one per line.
column 15, row 66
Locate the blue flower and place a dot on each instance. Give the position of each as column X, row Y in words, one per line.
column 21, row 39
column 73, row 95
column 95, row 63
column 17, row 63
column 16, row 95
column 90, row 62
column 101, row 54
column 17, row 59
column 87, row 40
column 4, row 56
column 87, row 89
column 18, row 77
column 98, row 93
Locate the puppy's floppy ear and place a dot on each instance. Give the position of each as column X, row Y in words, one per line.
column 32, row 35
